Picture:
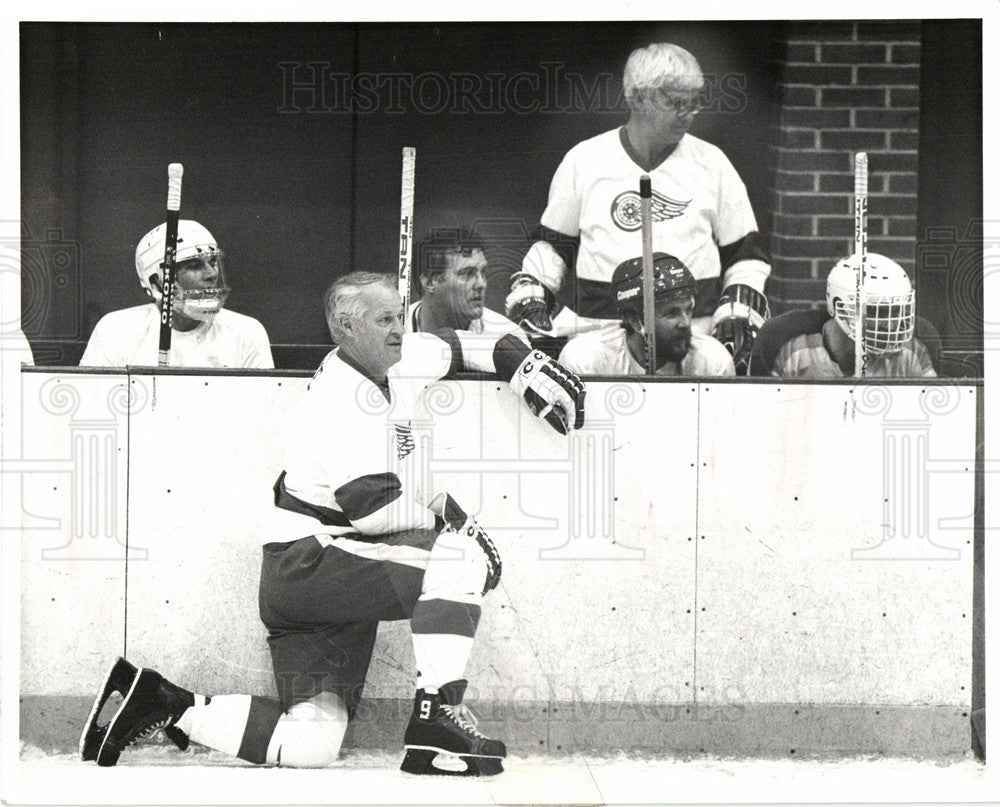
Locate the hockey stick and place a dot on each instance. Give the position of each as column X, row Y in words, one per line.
column 861, row 252
column 406, row 225
column 648, row 303
column 174, row 173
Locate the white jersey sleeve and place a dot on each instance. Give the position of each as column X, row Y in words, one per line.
column 707, row 356
column 256, row 352
column 127, row 336
column 735, row 221
column 562, row 213
column 600, row 352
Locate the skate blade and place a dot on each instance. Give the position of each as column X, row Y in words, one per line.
column 430, row 762
column 107, row 756
column 93, row 732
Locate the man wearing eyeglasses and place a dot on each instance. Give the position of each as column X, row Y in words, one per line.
column 700, row 209
column 204, row 333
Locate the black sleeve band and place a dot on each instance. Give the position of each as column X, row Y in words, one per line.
column 325, row 515
column 748, row 248
column 367, row 494
column 567, row 247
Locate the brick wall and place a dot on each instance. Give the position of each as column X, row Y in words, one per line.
column 845, row 87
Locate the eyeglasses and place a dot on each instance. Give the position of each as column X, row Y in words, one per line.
column 682, row 105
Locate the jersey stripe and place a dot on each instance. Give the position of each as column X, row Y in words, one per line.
column 445, row 617
column 261, row 721
column 748, row 248
column 405, row 554
column 325, row 515
column 368, row 494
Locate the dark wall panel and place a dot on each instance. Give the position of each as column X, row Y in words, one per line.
column 291, row 137
column 950, row 227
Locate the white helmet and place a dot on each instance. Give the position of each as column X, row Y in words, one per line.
column 194, row 242
column 888, row 296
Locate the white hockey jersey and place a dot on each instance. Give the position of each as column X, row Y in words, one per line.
column 354, row 451
column 131, row 336
column 699, row 204
column 605, row 352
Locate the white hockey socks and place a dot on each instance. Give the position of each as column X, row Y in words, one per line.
column 255, row 729
column 446, row 615
column 238, row 725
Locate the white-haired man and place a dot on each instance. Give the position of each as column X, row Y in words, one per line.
column 820, row 344
column 358, row 538
column 700, row 209
column 204, row 333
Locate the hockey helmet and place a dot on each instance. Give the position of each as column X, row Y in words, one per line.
column 194, row 244
column 888, row 299
column 672, row 280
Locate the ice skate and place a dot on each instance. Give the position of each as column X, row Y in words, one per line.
column 118, row 679
column 441, row 738
column 151, row 703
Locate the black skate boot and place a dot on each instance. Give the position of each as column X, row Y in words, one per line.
column 442, row 725
column 151, row 703
column 119, row 679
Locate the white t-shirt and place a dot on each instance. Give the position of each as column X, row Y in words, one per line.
column 131, row 336
column 605, row 352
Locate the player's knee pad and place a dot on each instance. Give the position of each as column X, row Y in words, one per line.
column 456, row 569
column 309, row 734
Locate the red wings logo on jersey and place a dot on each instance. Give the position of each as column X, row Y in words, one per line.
column 626, row 213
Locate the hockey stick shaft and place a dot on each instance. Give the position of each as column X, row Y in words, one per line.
column 648, row 303
column 861, row 253
column 406, row 225
column 174, row 173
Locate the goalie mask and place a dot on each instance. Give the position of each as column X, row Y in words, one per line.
column 200, row 287
column 888, row 299
column 672, row 280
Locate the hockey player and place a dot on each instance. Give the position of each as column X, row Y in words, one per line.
column 700, row 209
column 204, row 333
column 359, row 538
column 622, row 351
column 453, row 271
column 820, row 344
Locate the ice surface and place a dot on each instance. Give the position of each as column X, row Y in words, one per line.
column 155, row 774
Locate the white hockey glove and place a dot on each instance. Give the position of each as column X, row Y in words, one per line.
column 550, row 390
column 454, row 519
column 741, row 312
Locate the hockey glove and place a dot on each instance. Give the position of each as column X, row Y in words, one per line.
column 530, row 304
column 550, row 390
column 452, row 518
column 741, row 312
